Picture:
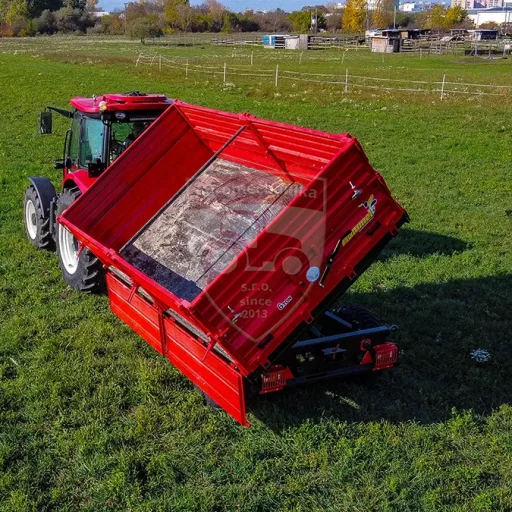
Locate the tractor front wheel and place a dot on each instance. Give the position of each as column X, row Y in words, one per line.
column 37, row 225
column 80, row 268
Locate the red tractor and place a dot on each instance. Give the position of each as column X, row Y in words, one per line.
column 101, row 129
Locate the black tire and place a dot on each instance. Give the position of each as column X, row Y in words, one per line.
column 87, row 275
column 362, row 318
column 37, row 227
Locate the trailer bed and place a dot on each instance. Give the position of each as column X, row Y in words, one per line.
column 195, row 237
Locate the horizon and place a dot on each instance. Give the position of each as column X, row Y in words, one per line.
column 232, row 5
column 242, row 5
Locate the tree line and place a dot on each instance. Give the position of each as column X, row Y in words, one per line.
column 153, row 18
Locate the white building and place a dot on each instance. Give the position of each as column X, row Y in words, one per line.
column 411, row 7
column 497, row 15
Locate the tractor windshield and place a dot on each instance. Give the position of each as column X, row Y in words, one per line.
column 123, row 135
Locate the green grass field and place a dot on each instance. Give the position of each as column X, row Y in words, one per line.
column 91, row 418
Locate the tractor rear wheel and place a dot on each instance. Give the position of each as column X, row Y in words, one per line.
column 37, row 227
column 80, row 268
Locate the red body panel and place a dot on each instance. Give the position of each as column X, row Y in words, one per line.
column 212, row 374
column 342, row 202
column 79, row 178
column 120, row 102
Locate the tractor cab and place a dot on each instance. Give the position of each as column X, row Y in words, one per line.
column 102, row 128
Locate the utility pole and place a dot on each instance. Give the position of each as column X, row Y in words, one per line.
column 125, row 6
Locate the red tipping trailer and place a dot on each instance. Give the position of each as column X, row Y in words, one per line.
column 226, row 238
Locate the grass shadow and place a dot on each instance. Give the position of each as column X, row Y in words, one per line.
column 420, row 244
column 440, row 325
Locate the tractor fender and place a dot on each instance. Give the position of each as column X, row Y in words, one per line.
column 78, row 179
column 45, row 192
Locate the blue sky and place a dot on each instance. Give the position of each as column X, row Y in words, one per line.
column 234, row 5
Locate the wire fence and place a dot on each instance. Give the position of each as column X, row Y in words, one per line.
column 347, row 82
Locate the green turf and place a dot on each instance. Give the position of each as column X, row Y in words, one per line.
column 91, row 418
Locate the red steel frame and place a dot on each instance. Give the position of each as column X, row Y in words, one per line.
column 338, row 186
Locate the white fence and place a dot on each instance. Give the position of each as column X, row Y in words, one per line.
column 346, row 82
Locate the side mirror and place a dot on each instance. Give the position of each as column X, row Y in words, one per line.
column 65, row 163
column 45, row 122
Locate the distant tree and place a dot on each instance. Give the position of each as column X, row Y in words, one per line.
column 110, row 24
column 248, row 23
column 354, row 17
column 491, row 25
column 434, row 17
column 148, row 26
column 438, row 17
column 321, row 20
column 16, row 9
column 36, row 7
column 75, row 4
column 133, row 12
column 274, row 21
column 300, row 20
column 46, row 23
column 16, row 18
column 216, row 12
column 318, row 8
column 454, row 16
column 406, row 20
column 231, row 22
column 73, row 20
column 172, row 12
column 333, row 22
column 383, row 14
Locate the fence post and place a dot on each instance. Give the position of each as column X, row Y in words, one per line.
column 186, row 69
column 138, row 58
column 224, row 72
column 343, row 57
column 277, row 74
column 346, row 80
column 160, row 63
column 252, row 58
column 442, row 86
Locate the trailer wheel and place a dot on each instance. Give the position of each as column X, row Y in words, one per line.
column 37, row 227
column 81, row 270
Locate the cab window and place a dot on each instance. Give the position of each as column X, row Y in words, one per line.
column 91, row 148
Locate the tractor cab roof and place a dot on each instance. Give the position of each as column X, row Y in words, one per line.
column 121, row 102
